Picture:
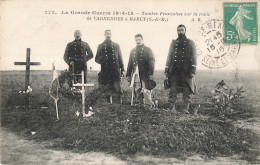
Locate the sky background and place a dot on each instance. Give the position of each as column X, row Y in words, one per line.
column 24, row 24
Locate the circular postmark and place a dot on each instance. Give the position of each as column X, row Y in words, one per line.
column 211, row 48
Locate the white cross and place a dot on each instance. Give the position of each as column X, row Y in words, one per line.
column 82, row 85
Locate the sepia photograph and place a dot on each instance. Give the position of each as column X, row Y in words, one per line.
column 129, row 82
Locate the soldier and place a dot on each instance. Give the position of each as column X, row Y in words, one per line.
column 109, row 56
column 77, row 54
column 180, row 68
column 141, row 61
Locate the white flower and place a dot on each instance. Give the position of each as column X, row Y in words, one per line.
column 29, row 89
column 77, row 113
column 88, row 114
column 156, row 102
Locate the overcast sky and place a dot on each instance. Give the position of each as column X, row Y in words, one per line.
column 24, row 24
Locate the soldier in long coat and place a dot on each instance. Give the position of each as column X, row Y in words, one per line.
column 77, row 54
column 141, row 60
column 181, row 68
column 109, row 56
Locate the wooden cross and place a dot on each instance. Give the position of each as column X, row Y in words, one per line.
column 82, row 85
column 27, row 73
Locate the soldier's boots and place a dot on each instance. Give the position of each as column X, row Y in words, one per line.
column 116, row 99
column 186, row 108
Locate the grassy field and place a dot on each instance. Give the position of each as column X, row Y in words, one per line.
column 124, row 131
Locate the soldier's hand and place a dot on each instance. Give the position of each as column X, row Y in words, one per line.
column 122, row 74
column 191, row 75
column 166, row 74
column 150, row 77
column 129, row 79
column 72, row 63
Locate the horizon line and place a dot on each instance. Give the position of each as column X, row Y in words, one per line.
column 209, row 69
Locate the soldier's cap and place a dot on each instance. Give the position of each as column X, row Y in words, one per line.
column 150, row 84
column 181, row 25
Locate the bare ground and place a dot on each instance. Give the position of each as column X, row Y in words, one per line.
column 16, row 150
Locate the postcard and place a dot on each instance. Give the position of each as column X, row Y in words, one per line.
column 130, row 82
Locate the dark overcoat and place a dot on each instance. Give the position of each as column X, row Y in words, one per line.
column 143, row 57
column 79, row 52
column 182, row 61
column 109, row 56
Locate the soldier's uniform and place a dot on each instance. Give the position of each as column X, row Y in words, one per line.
column 109, row 56
column 181, row 63
column 143, row 58
column 79, row 52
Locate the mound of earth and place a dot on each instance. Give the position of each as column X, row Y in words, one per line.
column 125, row 130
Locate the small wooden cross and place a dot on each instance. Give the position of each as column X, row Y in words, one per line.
column 82, row 85
column 27, row 73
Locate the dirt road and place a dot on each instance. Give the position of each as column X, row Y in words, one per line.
column 16, row 150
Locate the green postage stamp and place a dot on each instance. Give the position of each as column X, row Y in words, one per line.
column 240, row 23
